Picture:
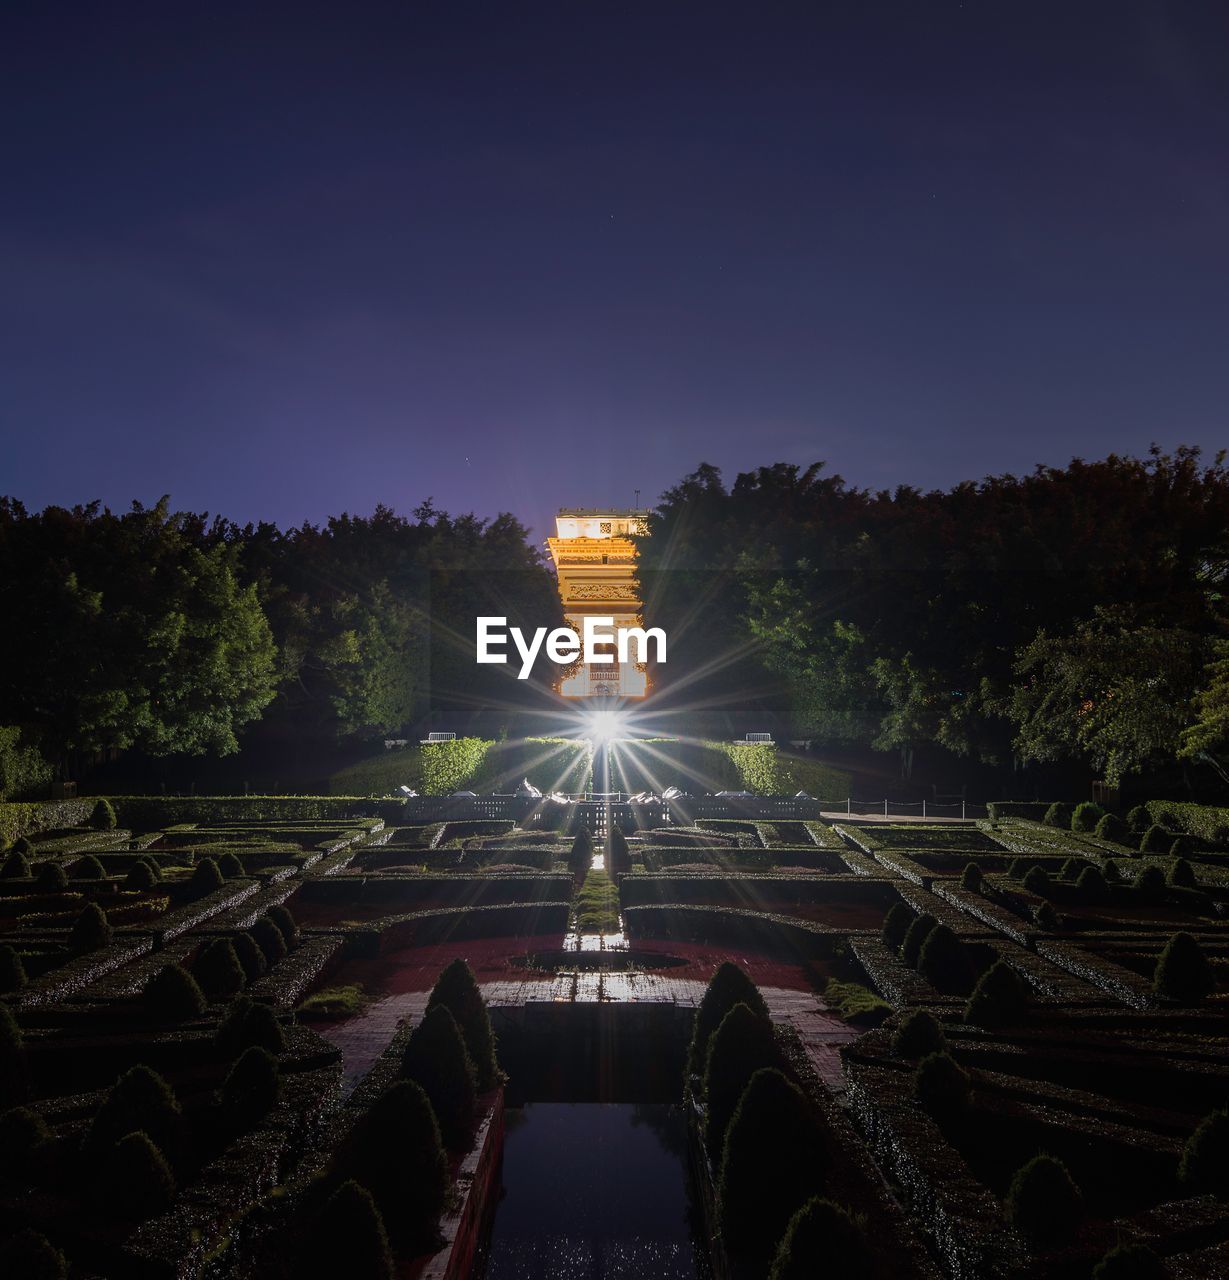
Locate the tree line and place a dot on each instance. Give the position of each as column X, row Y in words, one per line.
column 172, row 633
column 1074, row 613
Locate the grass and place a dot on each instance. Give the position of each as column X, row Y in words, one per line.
column 856, row 1003
column 597, row 904
column 335, row 1002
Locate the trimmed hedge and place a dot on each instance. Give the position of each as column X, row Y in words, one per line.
column 822, row 1229
column 1043, row 1202
column 728, row 987
column 457, row 989
column 741, row 1045
column 437, row 1059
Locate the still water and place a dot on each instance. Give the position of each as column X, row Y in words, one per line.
column 594, row 1191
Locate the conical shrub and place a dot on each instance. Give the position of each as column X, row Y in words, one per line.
column 348, row 1239
column 1130, row 1262
column 22, row 1133
column 140, row 877
column 729, row 986
column 915, row 938
column 50, row 877
column 137, row 1182
column 436, row 1057
column 942, row 1086
column 1205, row 1158
column 972, row 879
column 88, row 868
column 1000, row 998
column 822, row 1229
column 918, row 1035
column 251, row 1088
column 944, row 962
column 173, row 994
column 775, row 1160
column 91, row 930
column 1181, row 875
column 31, row 1256
column 280, row 915
column 206, row 879
column 251, row 958
column 1183, row 972
column 740, row 1046
column 12, row 970
column 218, row 970
column 580, row 856
column 16, row 867
column 457, row 988
column 139, row 1100
column 230, row 866
column 1043, row 1202
column 103, row 817
column 13, row 1079
column 268, row 937
column 896, row 924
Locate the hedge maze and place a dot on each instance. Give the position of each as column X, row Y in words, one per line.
column 1030, row 1017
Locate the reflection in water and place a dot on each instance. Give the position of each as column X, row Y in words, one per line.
column 594, row 1191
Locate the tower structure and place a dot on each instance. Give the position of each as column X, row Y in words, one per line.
column 595, row 559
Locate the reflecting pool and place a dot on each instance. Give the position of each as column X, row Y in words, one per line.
column 594, row 1191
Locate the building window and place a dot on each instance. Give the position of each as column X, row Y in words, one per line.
column 604, row 526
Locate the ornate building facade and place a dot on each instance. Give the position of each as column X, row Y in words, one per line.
column 595, row 559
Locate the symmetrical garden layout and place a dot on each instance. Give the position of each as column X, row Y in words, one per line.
column 240, row 1037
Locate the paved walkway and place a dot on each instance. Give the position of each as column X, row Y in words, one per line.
column 362, row 1039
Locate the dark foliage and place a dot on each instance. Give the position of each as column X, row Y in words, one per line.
column 1000, row 998
column 103, row 816
column 30, row 1256
column 944, row 962
column 1059, row 815
column 206, row 879
column 1155, row 840
column 896, row 924
column 173, row 994
column 140, row 877
column 1139, row 819
column 1183, row 972
column 251, row 957
column 774, row 1162
column 348, row 1238
column 136, row 1181
column 580, row 856
column 1181, row 875
column 942, row 1086
column 88, row 868
column 436, row 1057
column 51, row 877
column 1071, row 869
column 915, row 938
column 12, row 971
column 1130, row 1262
column 1112, row 828
column 13, row 1081
column 248, row 1023
column 1150, row 883
column 1086, row 816
column 620, row 853
column 218, row 970
column 1205, row 1157
column 1038, row 881
column 1091, row 886
column 280, row 915
column 251, row 1088
column 230, row 866
column 457, row 988
column 918, row 1035
column 91, row 930
column 139, row 1100
column 269, row 938
column 22, row 1133
column 741, row 1045
column 728, row 987
column 1043, row 1202
column 971, row 878
column 823, row 1237
column 16, row 867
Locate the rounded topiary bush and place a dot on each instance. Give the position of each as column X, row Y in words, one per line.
column 1046, row 917
column 218, row 970
column 251, row 958
column 268, row 937
column 1000, row 998
column 1205, row 1157
column 91, row 930
column 1091, row 886
column 140, row 877
column 286, row 926
column 457, row 988
column 22, row 1133
column 620, row 853
column 1038, row 881
column 13, row 1081
column 774, row 1162
column 942, row 1086
column 173, row 994
column 1086, row 816
column 972, row 879
column 728, row 987
column 1180, row 847
column 1071, row 869
column 251, row 1088
column 740, row 1046
column 1043, row 1202
column 896, row 924
column 436, row 1057
column 12, row 970
column 1112, row 828
column 206, row 878
column 944, row 962
column 15, row 867
column 139, row 1100
column 23, row 846
column 1155, row 840
column 918, row 1035
column 1139, row 819
column 88, row 868
column 1181, row 875
column 1111, row 873
column 1017, row 867
column 1182, row 972
column 137, row 1181
column 348, row 1238
column 1059, row 815
column 230, row 866
column 1130, row 1262
column 247, row 1023
column 821, row 1229
column 1150, row 883
column 50, row 877
column 103, row 816
column 31, row 1256
column 395, row 1152
column 915, row 939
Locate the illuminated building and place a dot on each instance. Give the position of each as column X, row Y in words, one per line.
column 595, row 559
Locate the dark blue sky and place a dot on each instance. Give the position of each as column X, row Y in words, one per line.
column 285, row 261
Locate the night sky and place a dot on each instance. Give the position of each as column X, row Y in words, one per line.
column 287, row 261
